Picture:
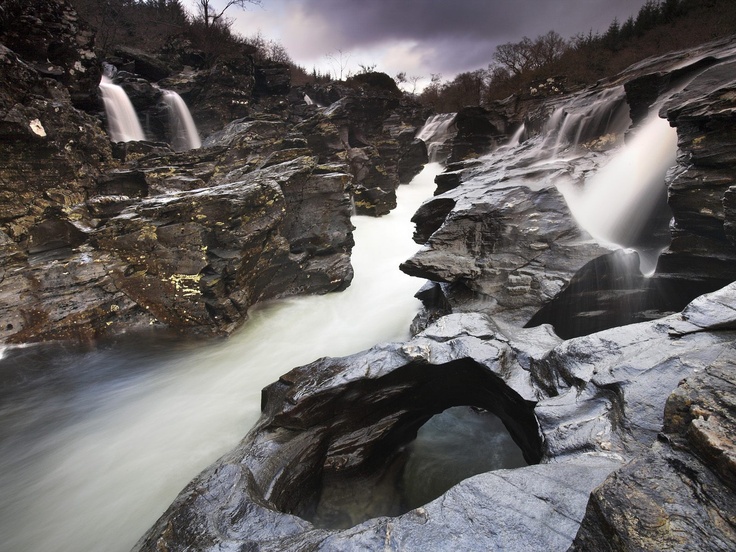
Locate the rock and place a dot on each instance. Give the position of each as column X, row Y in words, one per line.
column 599, row 403
column 703, row 113
column 506, row 238
column 56, row 43
column 681, row 493
column 44, row 135
column 476, row 134
column 272, row 79
column 146, row 65
column 218, row 95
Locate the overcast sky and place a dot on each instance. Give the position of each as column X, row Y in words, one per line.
column 420, row 37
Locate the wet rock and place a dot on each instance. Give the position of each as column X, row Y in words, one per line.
column 476, row 134
column 599, row 404
column 510, row 241
column 703, row 113
column 681, row 493
column 56, row 43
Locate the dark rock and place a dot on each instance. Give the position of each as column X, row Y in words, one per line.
column 272, row 79
column 144, row 64
column 131, row 183
column 476, row 134
column 704, row 113
column 44, row 136
column 53, row 40
column 600, row 403
column 412, row 156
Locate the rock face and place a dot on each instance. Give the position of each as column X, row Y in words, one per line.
column 681, row 493
column 703, row 113
column 187, row 241
column 579, row 410
column 376, row 126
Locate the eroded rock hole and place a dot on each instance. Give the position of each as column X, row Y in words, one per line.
column 395, row 443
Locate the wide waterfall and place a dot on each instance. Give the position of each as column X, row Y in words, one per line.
column 122, row 122
column 183, row 134
column 97, row 443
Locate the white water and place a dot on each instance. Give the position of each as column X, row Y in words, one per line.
column 435, row 133
column 515, row 139
column 184, row 134
column 122, row 122
column 617, row 202
column 97, row 445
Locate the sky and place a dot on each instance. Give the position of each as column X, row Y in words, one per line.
column 419, row 37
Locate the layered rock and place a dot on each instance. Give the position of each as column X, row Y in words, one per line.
column 187, row 241
column 703, row 113
column 681, row 493
column 376, row 126
column 597, row 402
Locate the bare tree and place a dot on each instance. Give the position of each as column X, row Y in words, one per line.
column 527, row 55
column 212, row 15
column 339, row 61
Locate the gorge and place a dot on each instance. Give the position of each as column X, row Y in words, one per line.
column 228, row 316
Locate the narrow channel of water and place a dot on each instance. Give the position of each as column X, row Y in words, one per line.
column 94, row 445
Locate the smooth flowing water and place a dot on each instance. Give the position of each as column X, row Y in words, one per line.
column 95, row 444
column 183, row 131
column 122, row 121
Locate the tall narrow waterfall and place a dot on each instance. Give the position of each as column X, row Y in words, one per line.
column 122, row 121
column 183, row 131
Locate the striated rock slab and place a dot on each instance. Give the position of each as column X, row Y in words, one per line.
column 703, row 113
column 681, row 493
column 582, row 408
column 506, row 235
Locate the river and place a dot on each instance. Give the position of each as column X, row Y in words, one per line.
column 96, row 443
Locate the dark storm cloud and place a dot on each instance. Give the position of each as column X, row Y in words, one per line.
column 462, row 34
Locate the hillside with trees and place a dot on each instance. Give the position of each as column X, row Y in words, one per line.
column 519, row 67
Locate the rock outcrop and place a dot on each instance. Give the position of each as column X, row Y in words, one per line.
column 579, row 410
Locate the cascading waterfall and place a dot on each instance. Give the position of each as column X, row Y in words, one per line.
column 516, row 137
column 122, row 122
column 438, row 129
column 618, row 201
column 182, row 130
column 100, row 442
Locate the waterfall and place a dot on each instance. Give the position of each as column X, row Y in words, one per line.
column 97, row 443
column 435, row 132
column 308, row 100
column 122, row 121
column 516, row 137
column 183, row 132
column 618, row 201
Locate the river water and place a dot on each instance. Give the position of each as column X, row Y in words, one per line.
column 96, row 443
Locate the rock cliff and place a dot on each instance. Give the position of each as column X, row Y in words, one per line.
column 100, row 238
